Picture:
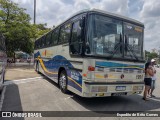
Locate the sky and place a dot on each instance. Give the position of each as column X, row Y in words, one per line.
column 53, row 12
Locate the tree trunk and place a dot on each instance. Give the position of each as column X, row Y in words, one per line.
column 14, row 55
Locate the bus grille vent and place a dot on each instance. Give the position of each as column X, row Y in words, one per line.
column 131, row 71
column 119, row 70
column 112, row 70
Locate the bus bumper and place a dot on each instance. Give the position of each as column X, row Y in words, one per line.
column 111, row 90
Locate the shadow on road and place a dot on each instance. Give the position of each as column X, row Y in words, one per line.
column 118, row 103
column 12, row 100
column 114, row 103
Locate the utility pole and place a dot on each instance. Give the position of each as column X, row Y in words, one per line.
column 34, row 11
column 159, row 55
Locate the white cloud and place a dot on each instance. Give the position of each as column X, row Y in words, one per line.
column 53, row 12
column 151, row 8
column 150, row 15
column 117, row 6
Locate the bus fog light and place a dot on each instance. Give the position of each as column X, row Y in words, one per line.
column 94, row 89
column 137, row 87
column 140, row 87
column 102, row 89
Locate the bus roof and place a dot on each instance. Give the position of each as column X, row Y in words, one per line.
column 108, row 13
column 101, row 12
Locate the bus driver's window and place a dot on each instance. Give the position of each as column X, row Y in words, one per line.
column 76, row 38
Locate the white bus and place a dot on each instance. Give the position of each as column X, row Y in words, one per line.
column 3, row 60
column 93, row 54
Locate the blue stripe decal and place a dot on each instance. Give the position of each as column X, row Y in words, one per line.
column 118, row 65
column 58, row 61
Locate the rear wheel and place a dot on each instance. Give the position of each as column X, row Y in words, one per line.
column 63, row 81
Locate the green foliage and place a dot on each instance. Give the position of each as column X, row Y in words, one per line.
column 39, row 30
column 153, row 55
column 150, row 55
column 17, row 29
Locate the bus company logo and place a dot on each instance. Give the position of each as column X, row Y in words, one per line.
column 47, row 53
column 75, row 75
column 44, row 53
column 6, row 114
column 129, row 27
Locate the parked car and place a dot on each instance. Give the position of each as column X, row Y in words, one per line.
column 3, row 60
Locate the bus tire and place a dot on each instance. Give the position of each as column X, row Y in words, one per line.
column 63, row 81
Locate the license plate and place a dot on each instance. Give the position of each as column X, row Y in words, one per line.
column 120, row 88
column 118, row 94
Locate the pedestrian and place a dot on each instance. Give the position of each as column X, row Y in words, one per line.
column 148, row 79
column 153, row 62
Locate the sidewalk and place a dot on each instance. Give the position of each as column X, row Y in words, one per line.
column 20, row 65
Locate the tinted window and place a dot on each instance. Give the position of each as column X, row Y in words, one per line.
column 65, row 33
column 76, row 38
column 104, row 36
column 54, row 37
column 35, row 45
column 43, row 41
column 48, row 38
column 133, row 39
column 39, row 43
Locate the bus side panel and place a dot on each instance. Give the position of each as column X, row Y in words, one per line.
column 49, row 66
column 73, row 66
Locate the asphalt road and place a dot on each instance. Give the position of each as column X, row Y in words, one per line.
column 25, row 90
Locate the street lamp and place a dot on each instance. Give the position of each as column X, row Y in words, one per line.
column 159, row 54
column 34, row 11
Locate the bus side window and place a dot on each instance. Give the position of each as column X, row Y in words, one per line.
column 35, row 44
column 48, row 39
column 40, row 43
column 65, row 33
column 54, row 38
column 75, row 38
column 43, row 42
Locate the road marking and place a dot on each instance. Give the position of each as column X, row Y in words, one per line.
column 21, row 70
column 27, row 78
column 2, row 97
column 22, row 80
column 69, row 97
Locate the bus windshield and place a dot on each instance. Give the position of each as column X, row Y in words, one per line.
column 133, row 37
column 112, row 37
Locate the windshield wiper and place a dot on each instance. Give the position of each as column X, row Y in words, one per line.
column 118, row 45
column 130, row 49
column 116, row 48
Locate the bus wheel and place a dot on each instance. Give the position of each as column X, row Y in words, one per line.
column 63, row 81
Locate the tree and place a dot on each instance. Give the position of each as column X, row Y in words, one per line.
column 153, row 55
column 15, row 24
column 39, row 30
column 149, row 55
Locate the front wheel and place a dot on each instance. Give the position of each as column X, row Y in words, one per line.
column 63, row 81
